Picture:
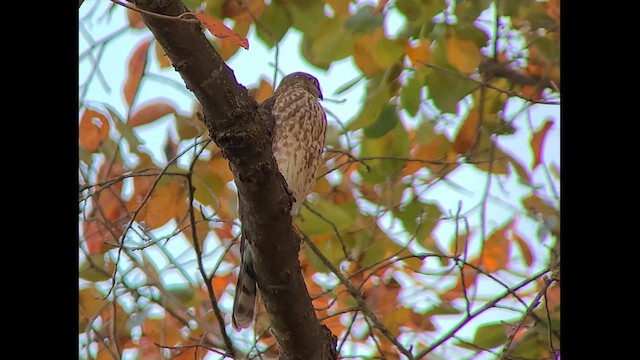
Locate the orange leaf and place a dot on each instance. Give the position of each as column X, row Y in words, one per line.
column 262, row 92
column 93, row 130
column 537, row 140
column 467, row 134
column 379, row 7
column 495, row 252
column 161, row 331
column 524, row 247
column 470, row 275
column 363, row 52
column 136, row 66
column 161, row 56
column 552, row 8
column 243, row 10
column 220, row 30
column 135, row 19
column 150, row 113
column 148, row 350
column 420, row 54
column 532, row 92
column 421, row 322
column 166, row 202
column 219, row 283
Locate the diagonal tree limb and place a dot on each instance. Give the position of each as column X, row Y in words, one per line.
column 232, row 117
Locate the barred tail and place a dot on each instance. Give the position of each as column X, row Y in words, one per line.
column 245, row 301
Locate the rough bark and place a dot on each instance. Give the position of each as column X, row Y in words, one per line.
column 236, row 127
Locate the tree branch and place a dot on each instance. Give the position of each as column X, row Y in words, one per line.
column 234, row 124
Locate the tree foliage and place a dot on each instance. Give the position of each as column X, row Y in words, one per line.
column 433, row 229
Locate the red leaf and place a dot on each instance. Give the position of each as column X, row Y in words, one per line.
column 150, row 113
column 537, row 140
column 219, row 29
column 137, row 63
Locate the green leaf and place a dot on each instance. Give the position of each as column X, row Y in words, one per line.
column 490, row 336
column 411, row 9
column 419, row 218
column 444, row 309
column 125, row 130
column 548, row 48
column 307, row 19
column 94, row 273
column 277, row 19
column 373, row 105
column 468, row 31
column 447, row 89
column 331, row 43
column 387, row 52
column 85, row 156
column 348, row 85
column 363, row 20
column 340, row 215
column 394, row 144
column 182, row 292
column 331, row 248
column 511, row 7
column 410, row 93
column 387, row 120
column 468, row 11
column 425, row 133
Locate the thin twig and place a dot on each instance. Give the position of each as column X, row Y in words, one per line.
column 178, row 347
column 333, row 226
column 196, row 246
column 479, row 311
column 156, row 15
column 143, row 203
column 488, row 85
column 358, row 297
column 530, row 308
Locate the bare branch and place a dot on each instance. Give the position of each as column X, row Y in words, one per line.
column 358, row 297
column 479, row 311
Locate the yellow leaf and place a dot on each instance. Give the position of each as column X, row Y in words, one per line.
column 463, row 54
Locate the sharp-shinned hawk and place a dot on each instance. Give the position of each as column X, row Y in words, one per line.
column 298, row 124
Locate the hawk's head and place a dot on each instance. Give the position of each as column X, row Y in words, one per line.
column 302, row 80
